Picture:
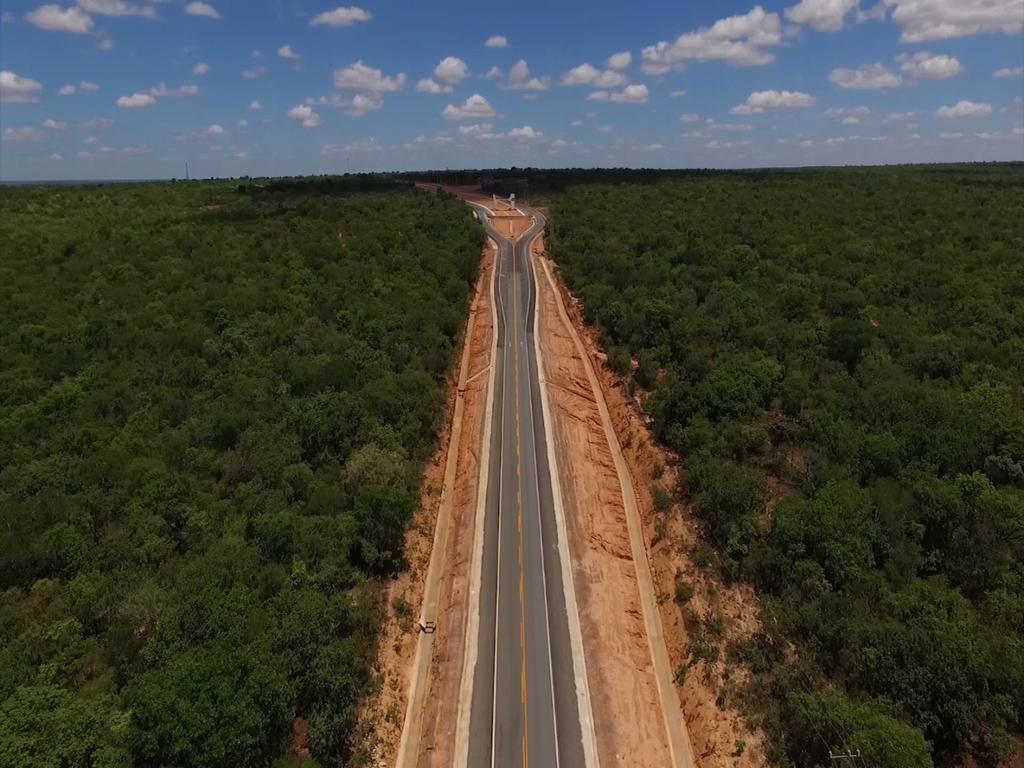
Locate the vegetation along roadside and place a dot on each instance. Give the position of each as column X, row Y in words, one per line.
column 215, row 404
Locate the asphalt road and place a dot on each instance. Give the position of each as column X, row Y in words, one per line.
column 524, row 709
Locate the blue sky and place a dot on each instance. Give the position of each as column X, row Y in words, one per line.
column 134, row 88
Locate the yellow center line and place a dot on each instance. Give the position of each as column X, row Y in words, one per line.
column 519, row 525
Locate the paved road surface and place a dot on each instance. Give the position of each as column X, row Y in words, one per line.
column 524, row 709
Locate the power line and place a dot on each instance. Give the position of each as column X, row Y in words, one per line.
column 837, row 758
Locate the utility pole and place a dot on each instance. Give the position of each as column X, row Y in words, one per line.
column 837, row 758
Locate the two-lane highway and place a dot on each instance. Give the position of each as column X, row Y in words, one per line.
column 524, row 692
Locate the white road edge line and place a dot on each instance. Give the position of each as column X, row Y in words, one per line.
column 473, row 623
column 497, row 547
column 579, row 662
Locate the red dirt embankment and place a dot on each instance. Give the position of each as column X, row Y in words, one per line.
column 381, row 722
column 627, row 711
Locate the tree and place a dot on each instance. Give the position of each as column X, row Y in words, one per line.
column 43, row 726
column 213, row 707
column 851, row 725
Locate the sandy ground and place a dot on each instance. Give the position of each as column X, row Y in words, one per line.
column 627, row 712
column 381, row 721
column 626, row 707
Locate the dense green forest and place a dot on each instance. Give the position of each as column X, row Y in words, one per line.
column 838, row 356
column 215, row 404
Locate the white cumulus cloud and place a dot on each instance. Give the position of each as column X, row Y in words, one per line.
column 631, row 94
column 428, row 85
column 364, row 102
column 739, row 40
column 926, row 66
column 965, row 109
column 715, row 126
column 520, row 79
column 162, row 91
column 53, row 18
column 586, row 74
column 197, row 8
column 761, row 101
column 473, row 108
column 360, row 77
column 867, row 76
column 451, row 70
column 117, row 8
column 822, row 15
column 526, row 132
column 201, row 68
column 927, row 20
column 480, row 131
column 1009, row 72
column 305, row 114
column 341, row 17
column 26, row 133
column 357, row 106
column 15, row 89
column 849, row 115
column 497, row 41
column 136, row 101
column 619, row 61
column 255, row 106
column 286, row 52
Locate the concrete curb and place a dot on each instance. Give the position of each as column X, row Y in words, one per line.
column 675, row 725
column 579, row 661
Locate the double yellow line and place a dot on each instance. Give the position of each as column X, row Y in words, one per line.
column 519, row 525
